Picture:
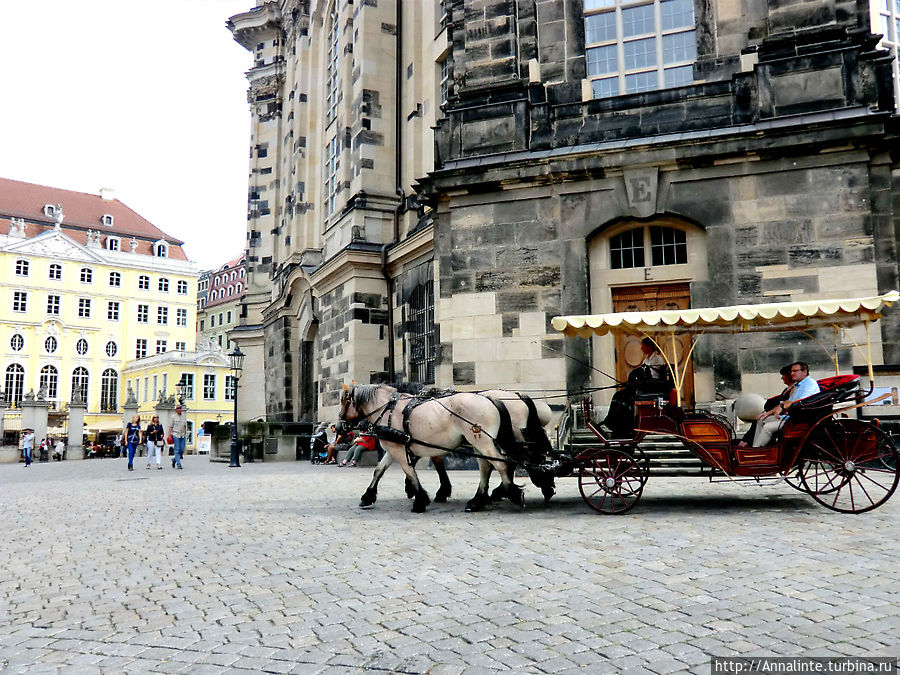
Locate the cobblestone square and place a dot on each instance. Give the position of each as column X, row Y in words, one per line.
column 274, row 568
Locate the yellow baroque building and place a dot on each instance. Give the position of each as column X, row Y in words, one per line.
column 86, row 285
column 209, row 386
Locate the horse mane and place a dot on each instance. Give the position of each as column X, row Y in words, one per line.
column 365, row 393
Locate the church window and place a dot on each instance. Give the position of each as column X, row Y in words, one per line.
column 49, row 381
column 661, row 245
column 15, row 384
column 21, row 268
column 331, row 170
column 421, row 340
column 639, row 46
column 109, row 390
column 332, row 64
column 55, row 272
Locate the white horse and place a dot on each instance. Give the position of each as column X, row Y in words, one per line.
column 434, row 427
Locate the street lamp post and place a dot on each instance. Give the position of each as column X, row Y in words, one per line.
column 237, row 365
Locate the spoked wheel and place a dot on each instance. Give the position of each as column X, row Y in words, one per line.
column 611, row 481
column 849, row 465
column 642, row 460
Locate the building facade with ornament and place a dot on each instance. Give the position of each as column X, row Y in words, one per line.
column 87, row 286
column 432, row 181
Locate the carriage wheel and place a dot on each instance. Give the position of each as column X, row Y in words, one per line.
column 849, row 465
column 642, row 460
column 611, row 481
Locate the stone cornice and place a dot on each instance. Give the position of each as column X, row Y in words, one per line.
column 346, row 265
column 249, row 26
column 412, row 247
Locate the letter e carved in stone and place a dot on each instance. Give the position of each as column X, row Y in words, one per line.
column 640, row 187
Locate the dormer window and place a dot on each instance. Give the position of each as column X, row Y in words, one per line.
column 113, row 243
column 49, row 210
column 161, row 249
column 107, row 220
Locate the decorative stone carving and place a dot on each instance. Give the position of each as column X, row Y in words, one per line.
column 93, row 238
column 42, row 392
column 78, row 400
column 58, row 216
column 16, row 227
column 30, row 395
column 133, row 244
column 130, row 397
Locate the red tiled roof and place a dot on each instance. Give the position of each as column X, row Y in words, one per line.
column 81, row 211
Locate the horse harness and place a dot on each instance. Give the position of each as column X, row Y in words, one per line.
column 388, row 433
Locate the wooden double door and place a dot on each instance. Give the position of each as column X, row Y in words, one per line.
column 652, row 297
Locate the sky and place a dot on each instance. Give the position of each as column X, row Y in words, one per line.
column 146, row 98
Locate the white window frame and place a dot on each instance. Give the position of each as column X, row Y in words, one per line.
column 20, row 301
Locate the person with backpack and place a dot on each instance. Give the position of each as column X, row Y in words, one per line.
column 132, row 435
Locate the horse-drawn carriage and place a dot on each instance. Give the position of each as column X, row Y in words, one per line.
column 845, row 464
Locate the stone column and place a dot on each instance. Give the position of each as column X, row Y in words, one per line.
column 3, row 407
column 165, row 409
column 74, row 448
column 34, row 416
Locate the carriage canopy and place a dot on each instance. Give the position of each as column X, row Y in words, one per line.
column 775, row 316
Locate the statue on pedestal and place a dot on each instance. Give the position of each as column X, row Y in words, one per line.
column 130, row 397
column 30, row 395
column 58, row 216
column 42, row 392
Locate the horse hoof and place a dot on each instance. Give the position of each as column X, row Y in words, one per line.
column 473, row 508
column 441, row 498
column 498, row 494
column 418, row 508
column 548, row 493
column 368, row 499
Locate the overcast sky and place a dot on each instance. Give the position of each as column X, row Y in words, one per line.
column 147, row 98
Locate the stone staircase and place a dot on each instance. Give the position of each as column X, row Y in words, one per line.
column 668, row 456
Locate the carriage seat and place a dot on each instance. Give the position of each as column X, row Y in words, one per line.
column 833, row 390
column 648, row 391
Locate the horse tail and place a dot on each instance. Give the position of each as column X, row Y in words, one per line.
column 534, row 430
column 506, row 440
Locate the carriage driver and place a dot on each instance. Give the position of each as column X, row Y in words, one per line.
column 770, row 421
column 620, row 418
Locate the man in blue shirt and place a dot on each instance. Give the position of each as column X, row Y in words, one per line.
column 769, row 422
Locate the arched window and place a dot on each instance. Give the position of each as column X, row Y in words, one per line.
column 233, row 275
column 21, row 268
column 421, row 341
column 80, row 383
column 87, row 275
column 660, row 245
column 50, row 381
column 240, row 287
column 55, row 272
column 109, row 390
column 230, row 290
column 161, row 250
column 15, row 384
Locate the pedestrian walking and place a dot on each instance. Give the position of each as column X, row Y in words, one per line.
column 132, row 435
column 178, row 432
column 154, row 438
column 28, row 445
column 60, row 450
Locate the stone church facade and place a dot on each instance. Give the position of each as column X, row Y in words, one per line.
column 432, row 182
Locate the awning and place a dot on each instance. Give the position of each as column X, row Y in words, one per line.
column 775, row 316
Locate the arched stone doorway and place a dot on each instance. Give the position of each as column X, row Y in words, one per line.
column 639, row 265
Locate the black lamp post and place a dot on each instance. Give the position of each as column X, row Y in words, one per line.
column 237, row 365
column 181, row 390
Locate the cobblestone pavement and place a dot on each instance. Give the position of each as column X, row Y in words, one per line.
column 274, row 568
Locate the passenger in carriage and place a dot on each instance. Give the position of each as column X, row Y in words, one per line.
column 771, row 421
column 620, row 418
column 770, row 403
